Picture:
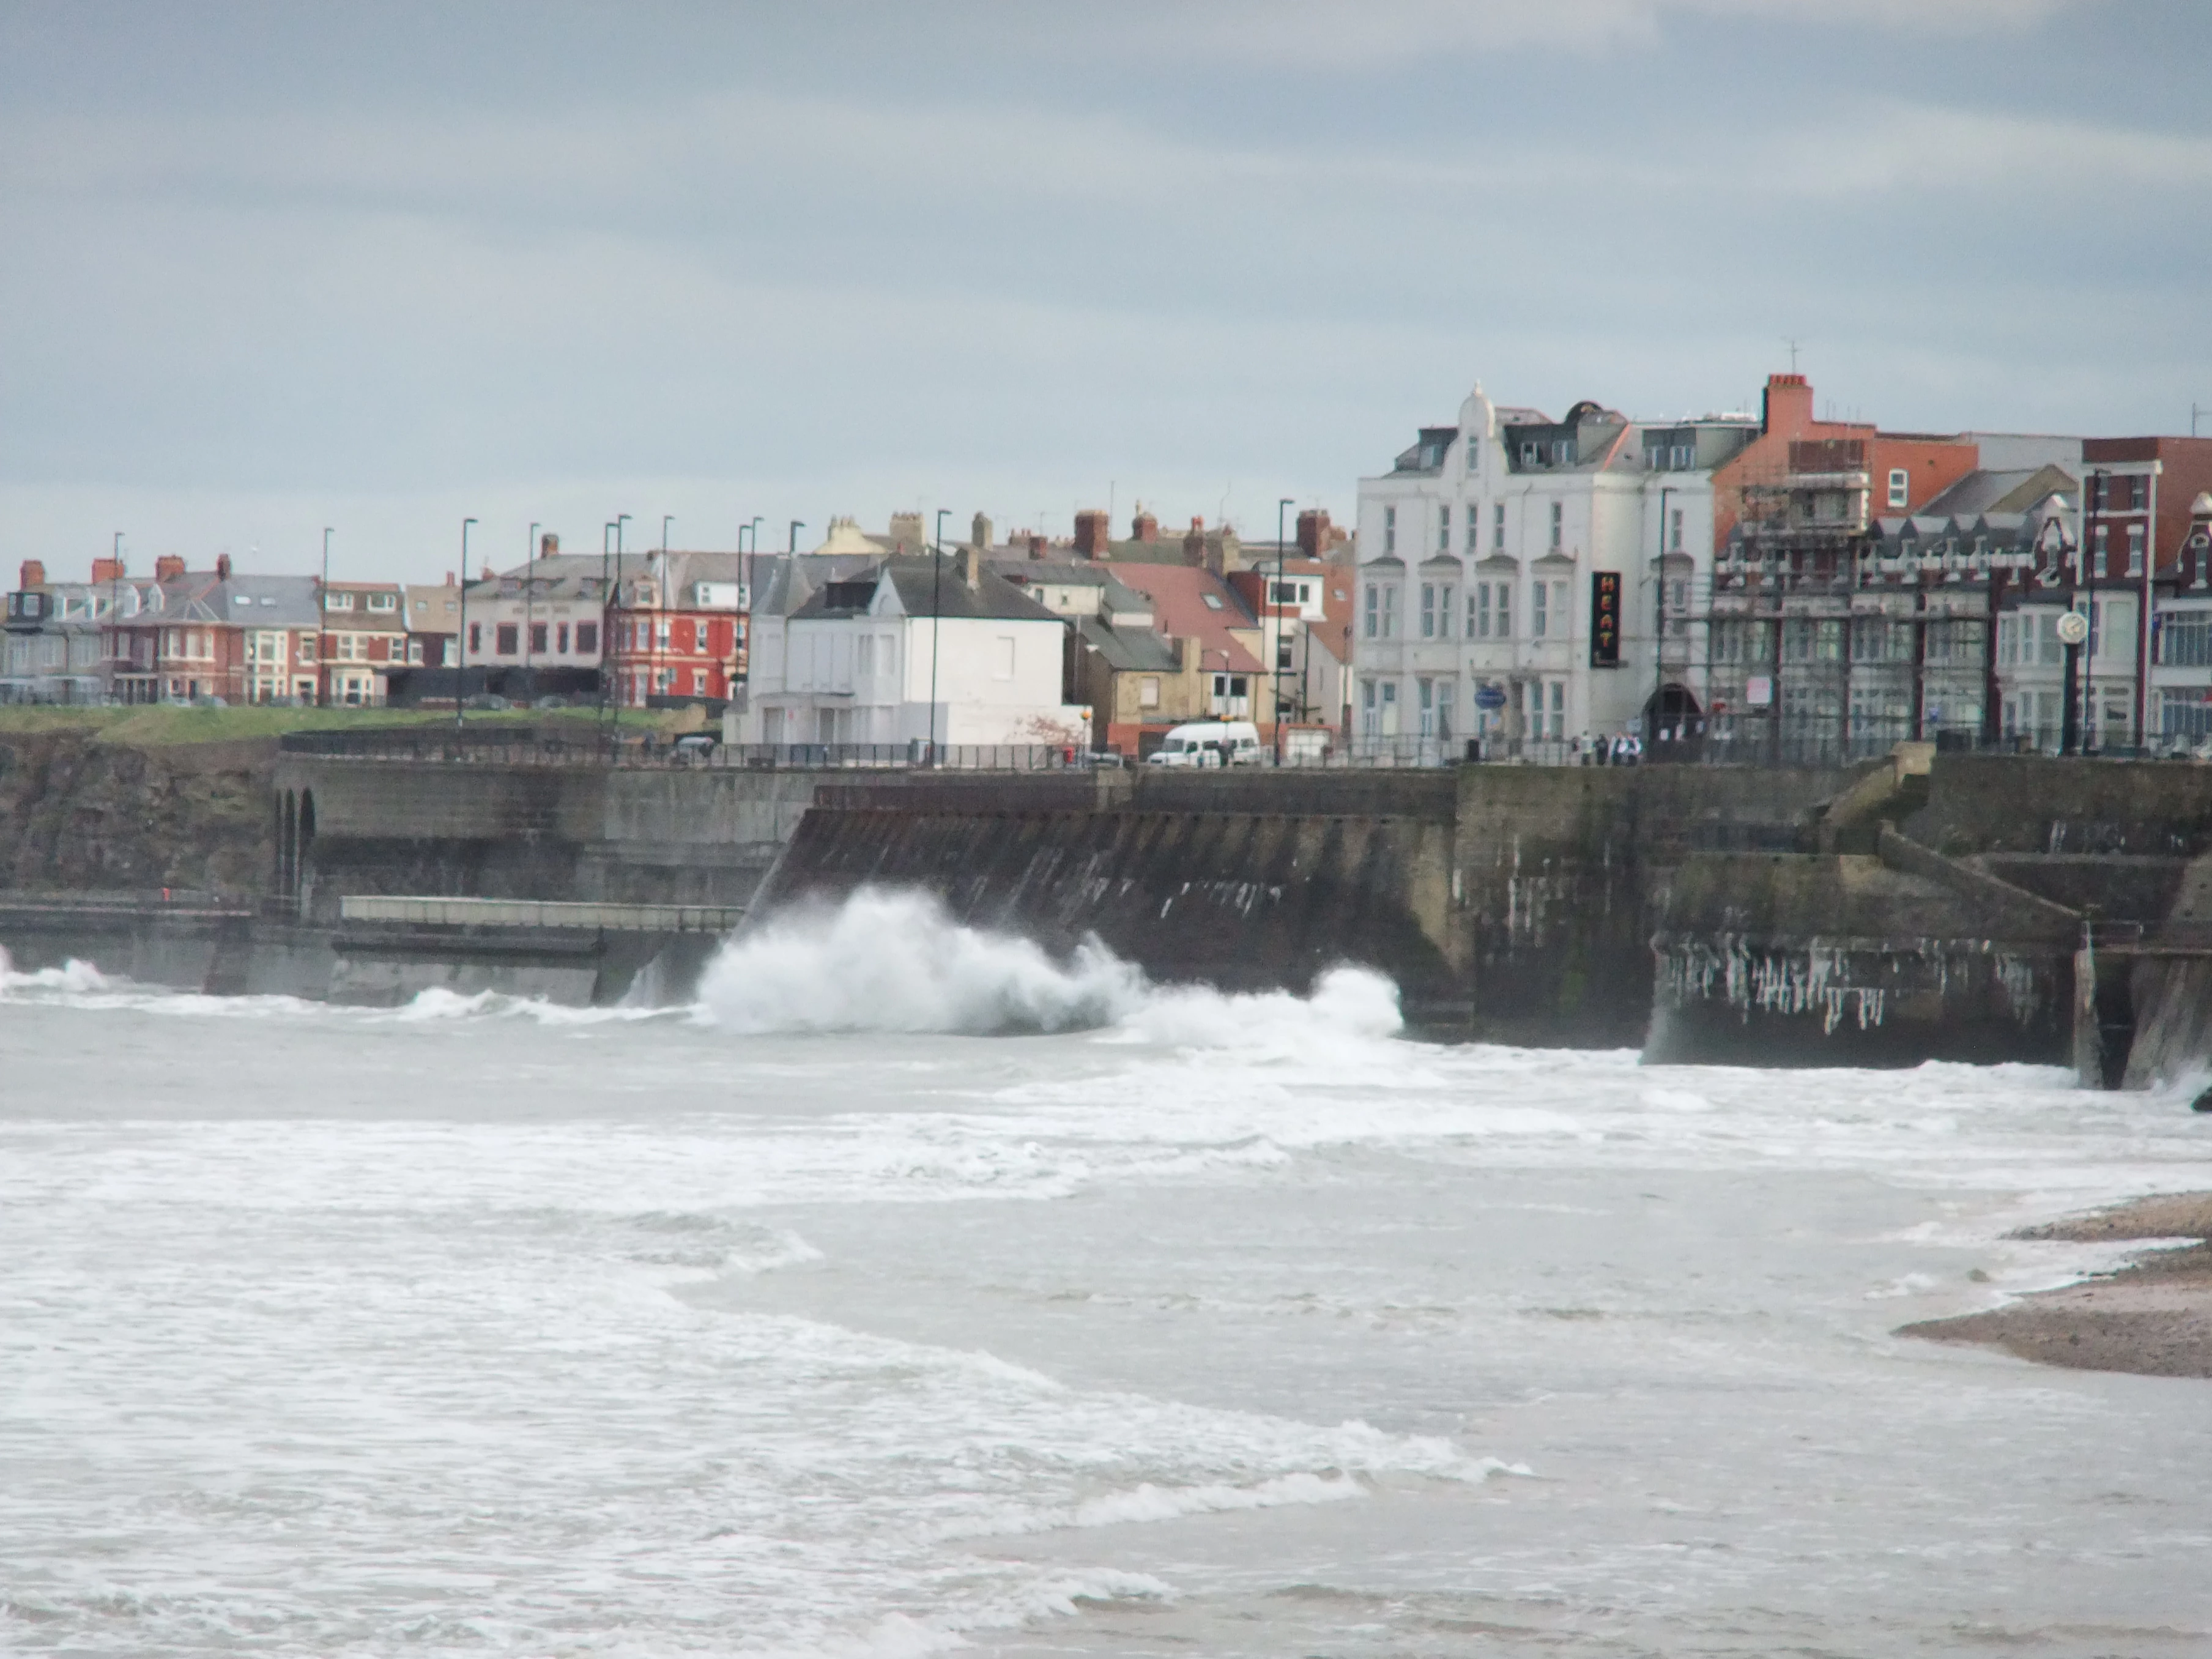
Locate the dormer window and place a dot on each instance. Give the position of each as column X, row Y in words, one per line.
column 1212, row 601
column 379, row 602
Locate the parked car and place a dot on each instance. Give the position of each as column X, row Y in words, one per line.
column 694, row 746
column 1211, row 743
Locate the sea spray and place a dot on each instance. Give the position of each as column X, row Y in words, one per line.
column 888, row 961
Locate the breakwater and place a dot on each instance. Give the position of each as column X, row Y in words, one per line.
column 1911, row 908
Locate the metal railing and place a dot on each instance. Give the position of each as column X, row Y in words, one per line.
column 436, row 912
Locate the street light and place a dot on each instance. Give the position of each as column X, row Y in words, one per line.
column 461, row 640
column 936, row 628
column 529, row 594
column 322, row 623
column 1275, row 663
column 2059, row 550
column 115, row 613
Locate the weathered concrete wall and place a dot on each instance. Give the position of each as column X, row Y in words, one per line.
column 1242, row 899
column 1552, row 869
column 1843, row 960
column 2038, row 805
column 78, row 814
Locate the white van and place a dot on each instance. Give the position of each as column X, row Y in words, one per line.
column 1211, row 743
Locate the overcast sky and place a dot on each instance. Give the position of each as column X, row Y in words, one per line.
column 267, row 268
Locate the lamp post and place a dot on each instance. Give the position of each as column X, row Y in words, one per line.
column 608, row 578
column 322, row 623
column 1275, row 662
column 1659, row 639
column 115, row 613
column 529, row 597
column 2059, row 551
column 461, row 639
column 936, row 628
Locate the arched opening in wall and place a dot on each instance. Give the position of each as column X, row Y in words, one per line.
column 288, row 846
column 1673, row 725
column 303, row 844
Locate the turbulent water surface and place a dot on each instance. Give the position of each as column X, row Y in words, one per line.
column 912, row 1291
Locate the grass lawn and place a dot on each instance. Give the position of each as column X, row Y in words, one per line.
column 151, row 727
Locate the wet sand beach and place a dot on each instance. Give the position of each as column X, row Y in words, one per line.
column 2153, row 1318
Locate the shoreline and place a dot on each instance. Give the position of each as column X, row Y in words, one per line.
column 2151, row 1318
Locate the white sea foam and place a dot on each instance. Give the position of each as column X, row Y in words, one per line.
column 894, row 961
column 73, row 978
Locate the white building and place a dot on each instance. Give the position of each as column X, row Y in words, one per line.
column 1481, row 609
column 854, row 663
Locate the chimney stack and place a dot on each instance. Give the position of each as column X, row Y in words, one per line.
column 449, row 579
column 107, row 570
column 222, row 566
column 1789, row 408
column 979, row 531
column 1144, row 528
column 1092, row 535
column 168, row 567
column 548, row 545
column 1194, row 542
column 1312, row 533
column 1038, row 543
column 971, row 559
column 34, row 575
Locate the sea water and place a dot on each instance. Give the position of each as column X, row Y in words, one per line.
column 915, row 1290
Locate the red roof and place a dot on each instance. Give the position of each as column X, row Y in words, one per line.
column 1179, row 594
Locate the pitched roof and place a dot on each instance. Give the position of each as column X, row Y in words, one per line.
column 1994, row 491
column 929, row 586
column 1126, row 649
column 1192, row 602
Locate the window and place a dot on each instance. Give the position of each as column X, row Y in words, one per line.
column 1282, row 594
column 381, row 601
column 1444, row 610
column 1558, row 524
column 1675, row 532
column 509, row 640
column 1478, row 611
column 1373, row 613
column 661, row 634
column 1212, row 601
column 587, row 638
column 1900, row 486
column 337, row 601
column 1505, row 610
column 560, row 639
column 1540, row 612
column 1797, row 639
column 1473, row 455
column 537, row 636
column 1472, row 519
column 2100, row 550
column 2135, row 550
column 1498, row 526
column 1148, row 691
column 306, row 651
column 1389, row 530
column 1424, row 700
column 1428, row 611
column 1389, row 613
column 1444, row 529
column 2185, row 640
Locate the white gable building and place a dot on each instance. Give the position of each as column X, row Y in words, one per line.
column 1486, row 556
column 866, row 659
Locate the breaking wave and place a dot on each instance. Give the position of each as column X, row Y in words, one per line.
column 895, row 961
column 73, row 977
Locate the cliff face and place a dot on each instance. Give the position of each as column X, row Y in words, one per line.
column 79, row 814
